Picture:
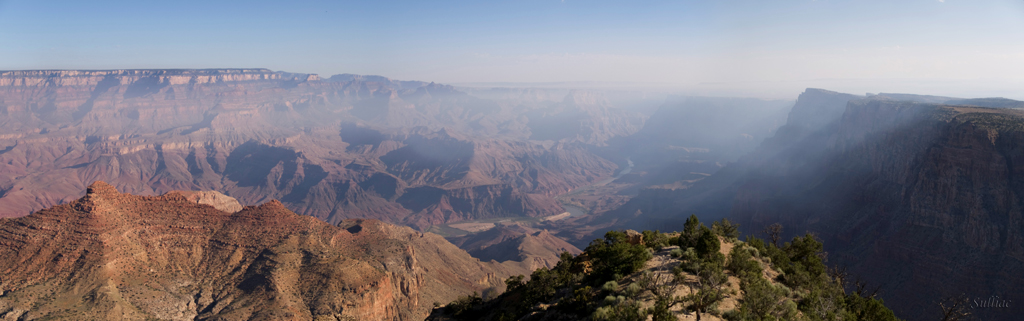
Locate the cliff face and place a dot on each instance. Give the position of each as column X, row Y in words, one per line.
column 352, row 146
column 921, row 199
column 119, row 256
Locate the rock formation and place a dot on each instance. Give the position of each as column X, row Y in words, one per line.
column 118, row 256
column 517, row 243
column 351, row 146
column 917, row 197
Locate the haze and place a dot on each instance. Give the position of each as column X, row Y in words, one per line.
column 746, row 48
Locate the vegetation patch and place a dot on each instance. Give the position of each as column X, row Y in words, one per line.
column 698, row 273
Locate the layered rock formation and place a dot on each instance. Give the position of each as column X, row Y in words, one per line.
column 352, row 146
column 517, row 243
column 112, row 256
column 918, row 198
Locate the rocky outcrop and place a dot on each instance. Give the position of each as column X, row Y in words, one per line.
column 213, row 198
column 117, row 256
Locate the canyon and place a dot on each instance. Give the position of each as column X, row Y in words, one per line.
column 404, row 152
column 916, row 195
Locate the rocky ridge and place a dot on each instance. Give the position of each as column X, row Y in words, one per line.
column 119, row 256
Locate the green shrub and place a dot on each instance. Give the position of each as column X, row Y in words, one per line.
column 726, row 229
column 660, row 311
column 613, row 257
column 707, row 243
column 691, row 231
column 741, row 261
column 620, row 309
column 869, row 308
column 655, row 240
column 514, row 282
column 463, row 304
column 676, row 253
column 610, row 286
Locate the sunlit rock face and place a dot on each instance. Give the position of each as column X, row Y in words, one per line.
column 116, row 256
column 404, row 152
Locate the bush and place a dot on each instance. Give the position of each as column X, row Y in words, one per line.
column 610, row 286
column 613, row 257
column 691, row 231
column 655, row 240
column 726, row 229
column 619, row 308
column 762, row 299
column 633, row 289
column 514, row 282
column 741, row 261
column 869, row 308
column 463, row 304
column 676, row 253
column 661, row 312
column 707, row 243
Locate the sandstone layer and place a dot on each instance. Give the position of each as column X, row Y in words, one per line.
column 351, row 146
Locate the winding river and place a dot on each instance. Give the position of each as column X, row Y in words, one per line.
column 575, row 211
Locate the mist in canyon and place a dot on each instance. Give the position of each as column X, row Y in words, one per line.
column 376, row 161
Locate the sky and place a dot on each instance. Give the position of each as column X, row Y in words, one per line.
column 769, row 49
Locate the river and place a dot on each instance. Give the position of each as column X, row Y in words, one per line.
column 575, row 211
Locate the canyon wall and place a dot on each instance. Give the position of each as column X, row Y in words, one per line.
column 921, row 199
column 352, row 146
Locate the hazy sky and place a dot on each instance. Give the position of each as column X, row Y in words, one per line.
column 767, row 48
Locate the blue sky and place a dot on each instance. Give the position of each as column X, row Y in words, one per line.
column 753, row 48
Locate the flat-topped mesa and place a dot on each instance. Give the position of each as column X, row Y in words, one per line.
column 43, row 78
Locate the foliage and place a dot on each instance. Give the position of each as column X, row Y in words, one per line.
column 707, row 242
column 806, row 288
column 741, row 260
column 691, row 231
column 614, row 255
column 726, row 229
column 871, row 309
column 704, row 261
column 676, row 253
column 655, row 239
column 707, row 290
column 514, row 282
column 610, row 286
column 619, row 308
column 463, row 304
column 763, row 300
column 660, row 311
